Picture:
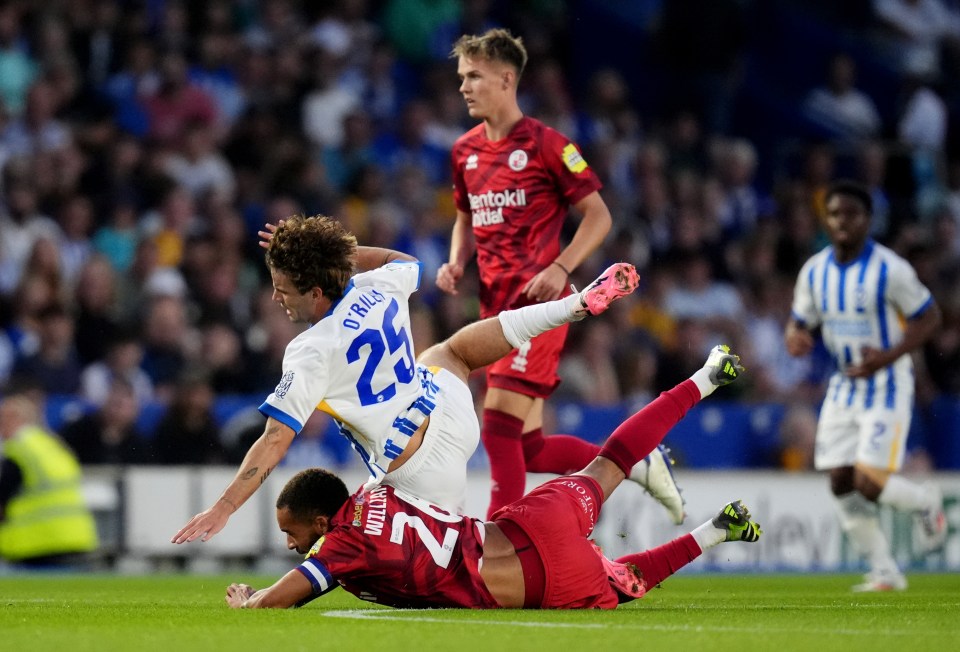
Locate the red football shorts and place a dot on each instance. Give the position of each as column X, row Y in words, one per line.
column 531, row 370
column 557, row 517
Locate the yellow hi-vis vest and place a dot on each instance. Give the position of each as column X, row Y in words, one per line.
column 48, row 516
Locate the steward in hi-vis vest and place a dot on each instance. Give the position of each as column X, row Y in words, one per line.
column 46, row 516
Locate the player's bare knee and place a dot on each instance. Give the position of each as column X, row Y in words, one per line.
column 866, row 485
column 446, row 357
column 607, row 474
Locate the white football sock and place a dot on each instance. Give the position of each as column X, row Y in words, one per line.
column 701, row 378
column 860, row 521
column 708, row 535
column 523, row 324
column 904, row 495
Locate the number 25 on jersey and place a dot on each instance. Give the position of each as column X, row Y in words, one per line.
column 380, row 344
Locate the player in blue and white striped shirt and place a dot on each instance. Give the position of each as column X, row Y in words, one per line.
column 872, row 311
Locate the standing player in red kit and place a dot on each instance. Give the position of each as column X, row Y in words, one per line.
column 514, row 181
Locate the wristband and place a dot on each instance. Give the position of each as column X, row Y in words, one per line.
column 565, row 270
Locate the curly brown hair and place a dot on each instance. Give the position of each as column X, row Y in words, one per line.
column 312, row 493
column 314, row 251
column 493, row 45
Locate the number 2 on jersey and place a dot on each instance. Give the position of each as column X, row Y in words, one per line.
column 380, row 343
column 441, row 552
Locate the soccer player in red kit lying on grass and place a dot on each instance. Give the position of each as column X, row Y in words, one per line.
column 396, row 549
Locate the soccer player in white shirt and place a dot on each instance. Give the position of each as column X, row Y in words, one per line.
column 413, row 423
column 872, row 311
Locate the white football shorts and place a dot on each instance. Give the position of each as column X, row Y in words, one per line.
column 853, row 434
column 437, row 472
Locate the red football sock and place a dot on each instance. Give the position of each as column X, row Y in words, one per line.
column 636, row 437
column 501, row 437
column 560, row 454
column 660, row 563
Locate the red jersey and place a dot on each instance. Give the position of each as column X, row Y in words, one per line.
column 517, row 191
column 398, row 550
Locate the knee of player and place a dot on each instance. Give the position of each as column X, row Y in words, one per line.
column 446, row 356
column 866, row 486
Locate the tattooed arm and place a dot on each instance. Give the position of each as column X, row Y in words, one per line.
column 260, row 460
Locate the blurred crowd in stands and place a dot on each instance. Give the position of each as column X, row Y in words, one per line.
column 144, row 143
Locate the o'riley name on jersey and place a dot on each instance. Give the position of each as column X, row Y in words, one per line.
column 362, row 307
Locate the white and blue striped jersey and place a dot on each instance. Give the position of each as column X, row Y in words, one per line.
column 862, row 303
column 357, row 364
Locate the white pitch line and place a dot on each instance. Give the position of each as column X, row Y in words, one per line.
column 368, row 614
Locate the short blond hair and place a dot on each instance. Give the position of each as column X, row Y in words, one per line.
column 493, row 45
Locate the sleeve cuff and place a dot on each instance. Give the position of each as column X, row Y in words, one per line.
column 419, row 265
column 318, row 575
column 922, row 309
column 274, row 412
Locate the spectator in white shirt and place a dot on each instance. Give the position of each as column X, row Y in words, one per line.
column 846, row 112
column 199, row 167
column 919, row 28
column 923, row 123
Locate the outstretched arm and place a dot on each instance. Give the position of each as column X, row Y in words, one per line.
column 291, row 590
column 260, row 460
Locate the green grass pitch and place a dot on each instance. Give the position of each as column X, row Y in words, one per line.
column 753, row 613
